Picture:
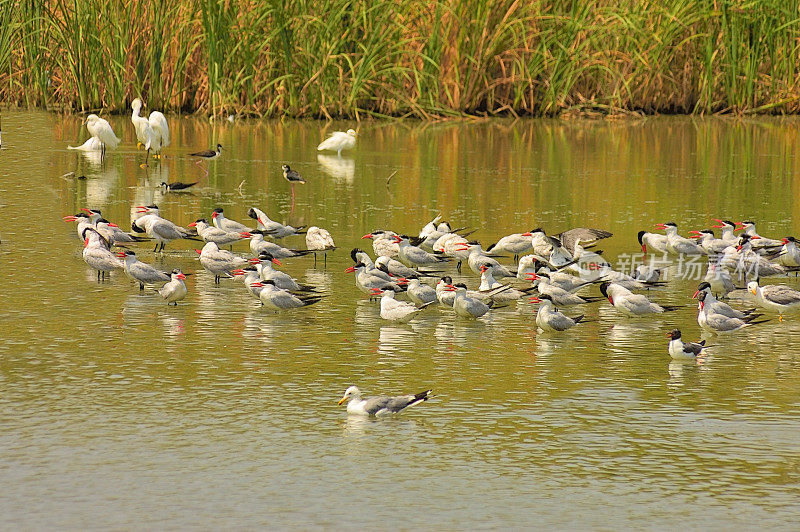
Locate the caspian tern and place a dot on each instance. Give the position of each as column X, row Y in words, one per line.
column 516, row 244
column 419, row 293
column 776, row 297
column 220, row 237
column 258, row 245
column 711, row 320
column 271, row 227
column 549, row 318
column 678, row 245
column 728, row 228
column 366, row 281
column 382, row 405
column 413, row 255
column 652, row 241
column 282, row 279
column 477, row 258
column 466, row 306
column 712, row 304
column 497, row 291
column 175, row 289
column 275, row 298
column 141, row 272
column 709, row 242
column 752, row 264
column 719, row 279
column 383, row 243
column 560, row 296
column 359, row 255
column 430, row 227
column 97, row 254
column 159, row 229
column 680, row 350
column 221, row 222
column 789, row 254
column 762, row 243
column 84, row 222
column 444, row 295
column 219, row 262
column 630, row 304
column 339, row 141
column 394, row 310
column 395, row 268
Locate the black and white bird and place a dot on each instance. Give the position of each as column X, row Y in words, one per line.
column 207, row 155
column 176, row 186
column 680, row 350
column 381, row 405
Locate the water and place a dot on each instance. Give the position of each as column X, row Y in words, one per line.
column 120, row 412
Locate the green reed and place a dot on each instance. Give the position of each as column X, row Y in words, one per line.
column 433, row 59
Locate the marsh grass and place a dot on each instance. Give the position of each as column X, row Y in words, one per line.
column 433, row 59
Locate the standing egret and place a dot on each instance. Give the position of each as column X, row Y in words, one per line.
column 100, row 128
column 338, row 141
column 153, row 133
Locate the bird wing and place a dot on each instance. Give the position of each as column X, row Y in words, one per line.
column 781, row 294
column 159, row 124
column 332, row 142
column 586, row 235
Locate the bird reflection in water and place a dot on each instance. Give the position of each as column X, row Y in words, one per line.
column 342, row 170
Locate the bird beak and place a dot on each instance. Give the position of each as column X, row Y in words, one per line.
column 450, row 288
column 255, row 261
column 351, row 269
column 276, row 261
column 754, row 237
column 69, row 218
column 535, row 299
column 375, row 291
column 213, row 215
column 112, row 224
column 193, row 224
column 661, row 226
column 181, row 276
column 257, row 284
column 402, row 280
column 696, row 294
column 754, row 291
column 532, row 276
column 120, row 254
column 84, row 209
column 141, row 209
column 245, row 234
column 668, row 334
column 198, row 251
column 368, row 235
column 342, row 400
column 527, row 234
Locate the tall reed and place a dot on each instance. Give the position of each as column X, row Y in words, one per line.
column 431, row 59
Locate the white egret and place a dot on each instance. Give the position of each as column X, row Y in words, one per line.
column 151, row 132
column 338, row 141
column 100, row 128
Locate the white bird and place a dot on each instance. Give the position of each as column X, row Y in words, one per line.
column 549, row 318
column 630, row 304
column 96, row 253
column 466, row 306
column 141, row 272
column 718, row 277
column 275, row 298
column 775, row 297
column 680, row 350
column 652, row 241
column 367, row 281
column 430, row 227
column 338, row 141
column 498, row 291
column 282, row 279
column 273, row 228
column 560, row 296
column 220, row 237
column 709, row 242
column 728, row 228
column 516, row 244
column 712, row 304
column 394, row 310
column 91, row 144
column 318, row 239
column 383, row 243
column 258, row 245
column 159, row 229
column 444, row 294
column 789, row 254
column 419, row 293
column 359, row 255
column 711, row 320
column 413, row 255
column 753, row 264
column 478, row 258
column 83, row 220
column 100, row 128
column 175, row 289
column 157, row 122
column 218, row 261
column 220, row 222
column 762, row 243
column 678, row 245
column 381, row 405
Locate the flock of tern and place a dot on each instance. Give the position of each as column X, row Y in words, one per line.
column 412, row 273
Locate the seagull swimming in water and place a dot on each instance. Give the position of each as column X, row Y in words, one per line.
column 381, row 405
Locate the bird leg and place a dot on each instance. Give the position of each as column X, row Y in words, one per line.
column 147, row 154
column 780, row 318
column 141, row 287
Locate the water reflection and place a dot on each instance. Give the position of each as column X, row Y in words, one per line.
column 341, row 169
